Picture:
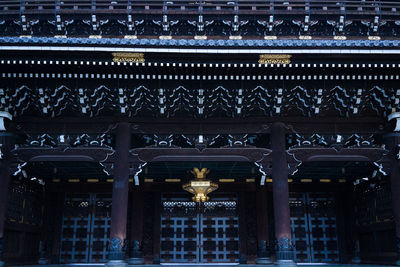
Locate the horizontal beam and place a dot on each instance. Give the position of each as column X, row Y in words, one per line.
column 87, row 154
column 329, row 125
column 248, row 154
column 310, row 154
column 241, row 153
column 351, row 51
column 183, row 7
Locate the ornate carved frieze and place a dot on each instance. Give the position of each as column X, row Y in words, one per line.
column 201, row 141
column 337, row 141
column 165, row 24
column 184, row 102
column 70, row 140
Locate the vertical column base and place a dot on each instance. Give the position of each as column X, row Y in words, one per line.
column 156, row 260
column 1, row 252
column 286, row 263
column 263, row 253
column 116, row 263
column 42, row 254
column 356, row 257
column 242, row 259
column 43, row 261
column 116, row 254
column 135, row 261
column 285, row 253
column 135, row 254
column 263, row 261
column 398, row 251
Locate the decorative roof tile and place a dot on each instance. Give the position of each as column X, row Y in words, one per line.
column 201, row 43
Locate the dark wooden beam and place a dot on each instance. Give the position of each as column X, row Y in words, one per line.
column 65, row 125
column 89, row 154
column 241, row 153
column 308, row 154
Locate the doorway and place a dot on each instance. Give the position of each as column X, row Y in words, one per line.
column 313, row 224
column 85, row 228
column 199, row 234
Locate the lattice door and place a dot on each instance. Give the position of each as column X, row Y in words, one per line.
column 100, row 228
column 179, row 232
column 219, row 232
column 313, row 223
column 85, row 228
column 190, row 235
column 300, row 227
column 322, row 222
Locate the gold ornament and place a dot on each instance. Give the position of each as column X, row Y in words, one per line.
column 200, row 187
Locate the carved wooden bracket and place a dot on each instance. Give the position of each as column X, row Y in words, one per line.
column 331, row 154
column 249, row 154
column 92, row 154
column 376, row 155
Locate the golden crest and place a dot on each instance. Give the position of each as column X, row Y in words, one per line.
column 274, row 59
column 200, row 186
column 200, row 174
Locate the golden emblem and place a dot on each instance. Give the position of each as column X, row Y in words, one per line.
column 200, row 187
column 274, row 59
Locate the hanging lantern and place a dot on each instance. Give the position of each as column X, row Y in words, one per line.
column 200, row 187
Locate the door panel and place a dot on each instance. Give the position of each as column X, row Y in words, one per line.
column 85, row 228
column 313, row 223
column 220, row 239
column 193, row 235
column 322, row 222
column 179, row 239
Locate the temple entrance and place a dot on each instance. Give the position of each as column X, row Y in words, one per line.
column 313, row 223
column 85, row 228
column 193, row 234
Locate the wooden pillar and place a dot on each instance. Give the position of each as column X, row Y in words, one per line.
column 242, row 228
column 352, row 227
column 120, row 191
column 262, row 226
column 342, row 201
column 6, row 140
column 56, row 223
column 157, row 228
column 49, row 200
column 395, row 188
column 281, row 192
column 4, row 183
column 136, row 226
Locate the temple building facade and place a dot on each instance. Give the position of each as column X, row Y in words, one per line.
column 199, row 132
